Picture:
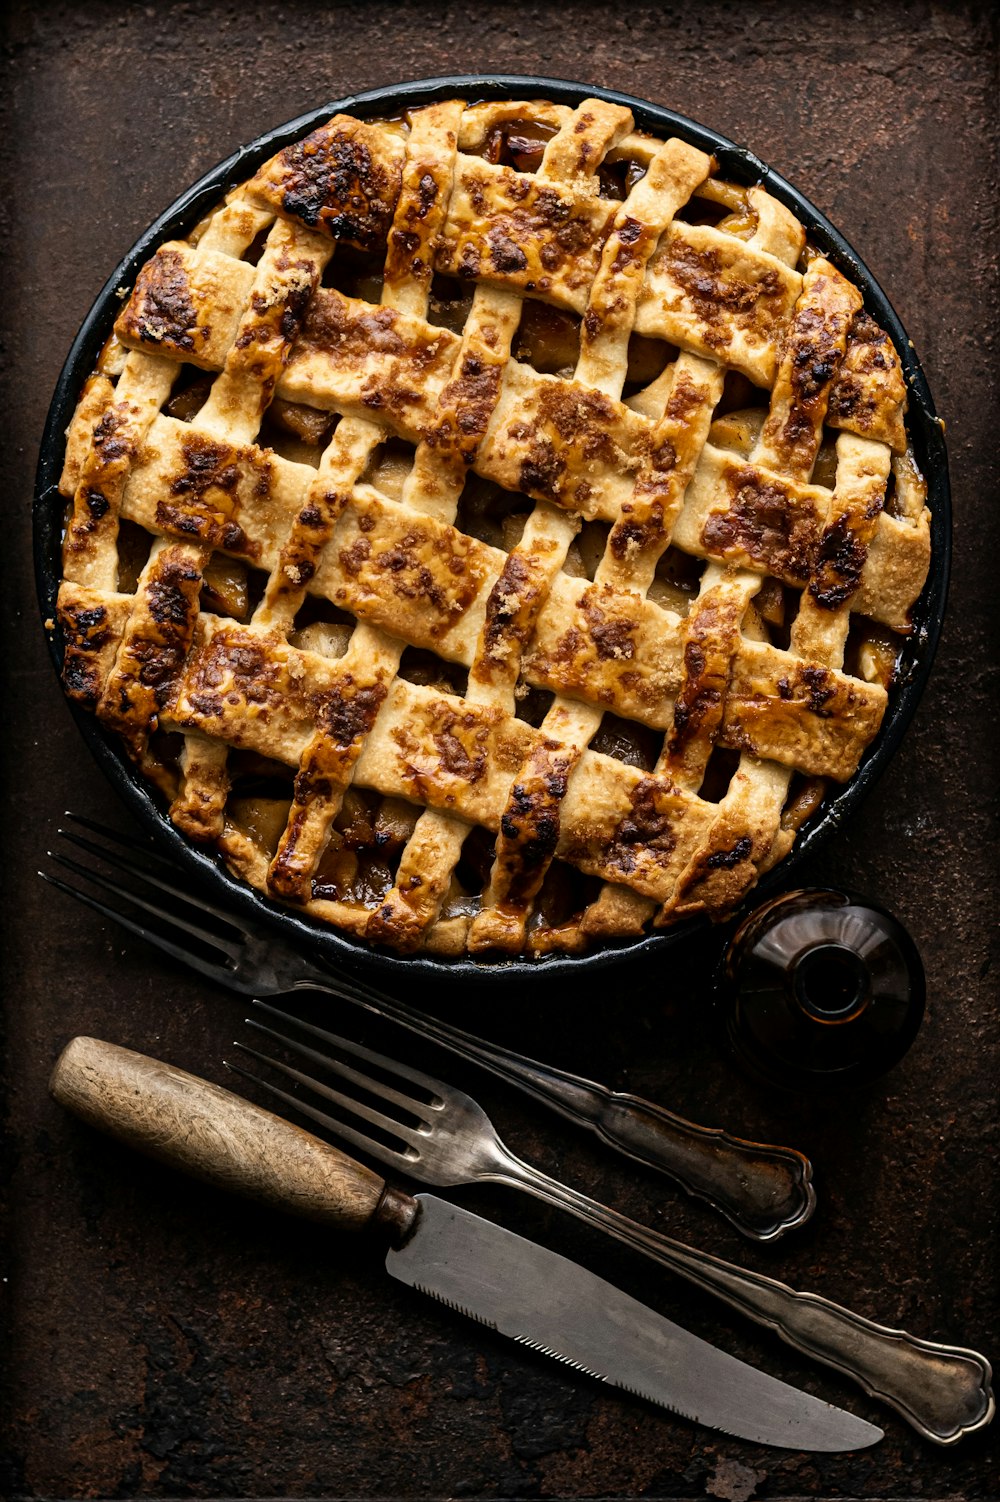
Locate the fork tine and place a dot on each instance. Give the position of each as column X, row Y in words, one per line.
column 130, row 841
column 137, row 868
column 215, row 969
column 417, row 1077
column 328, row 1061
column 339, row 1129
column 354, row 1077
column 386, row 1124
column 358, row 990
column 173, row 920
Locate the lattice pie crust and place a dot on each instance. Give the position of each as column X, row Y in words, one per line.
column 490, row 530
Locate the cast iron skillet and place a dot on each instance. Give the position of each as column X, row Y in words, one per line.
column 381, row 967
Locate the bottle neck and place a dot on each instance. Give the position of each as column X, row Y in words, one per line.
column 831, row 983
column 819, row 989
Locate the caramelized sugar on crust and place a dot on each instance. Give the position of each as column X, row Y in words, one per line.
column 491, row 531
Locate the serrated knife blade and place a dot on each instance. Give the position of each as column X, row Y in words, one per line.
column 516, row 1287
column 545, row 1301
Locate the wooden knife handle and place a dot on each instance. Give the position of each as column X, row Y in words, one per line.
column 221, row 1138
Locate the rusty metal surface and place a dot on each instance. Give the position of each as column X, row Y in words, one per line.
column 164, row 1343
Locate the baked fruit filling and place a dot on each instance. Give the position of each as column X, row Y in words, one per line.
column 490, row 531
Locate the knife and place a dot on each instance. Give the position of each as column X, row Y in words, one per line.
column 515, row 1287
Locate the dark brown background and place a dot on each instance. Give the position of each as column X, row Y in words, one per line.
column 164, row 1343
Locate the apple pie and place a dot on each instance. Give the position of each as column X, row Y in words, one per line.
column 491, row 531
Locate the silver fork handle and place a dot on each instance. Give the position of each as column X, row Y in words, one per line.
column 763, row 1190
column 943, row 1391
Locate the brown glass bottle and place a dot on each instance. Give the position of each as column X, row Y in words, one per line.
column 819, row 989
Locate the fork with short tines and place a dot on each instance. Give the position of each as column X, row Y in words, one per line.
column 763, row 1190
column 439, row 1135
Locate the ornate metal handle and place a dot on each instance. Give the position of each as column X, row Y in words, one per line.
column 943, row 1391
column 763, row 1190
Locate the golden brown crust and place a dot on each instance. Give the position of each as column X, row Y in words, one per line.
column 406, row 555
column 505, row 229
column 185, row 304
column 343, row 180
column 869, row 394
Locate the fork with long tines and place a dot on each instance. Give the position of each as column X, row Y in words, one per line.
column 440, row 1136
column 763, row 1190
